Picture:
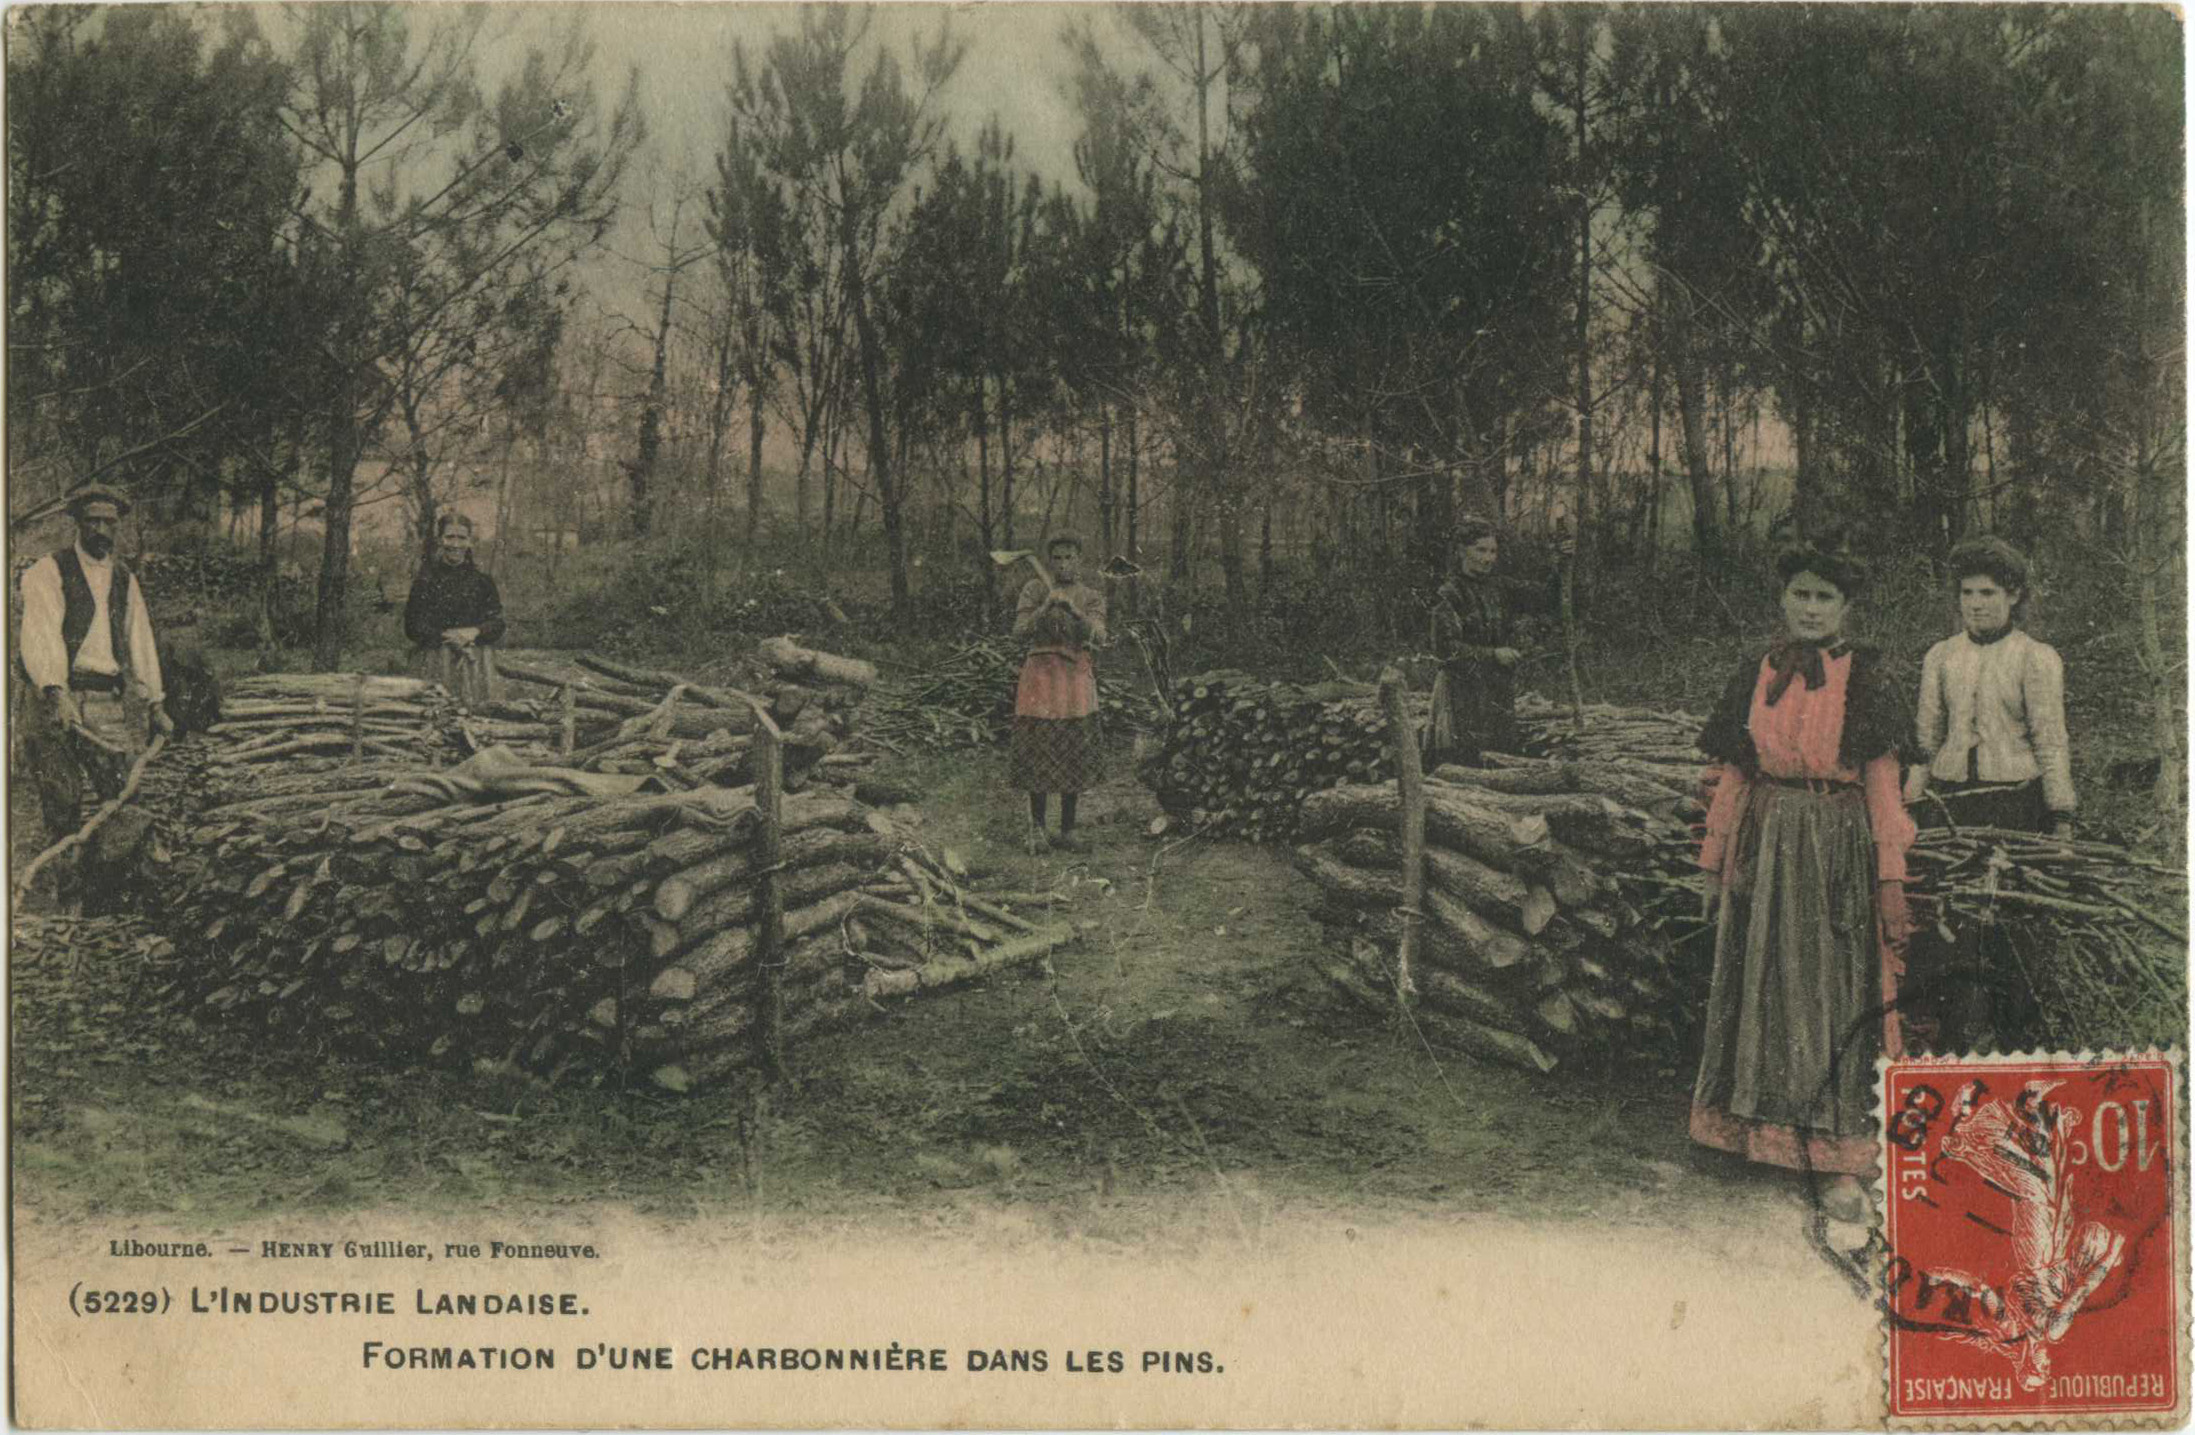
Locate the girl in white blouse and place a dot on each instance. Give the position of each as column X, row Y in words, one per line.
column 1992, row 710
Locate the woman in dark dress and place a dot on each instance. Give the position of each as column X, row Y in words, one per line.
column 1474, row 637
column 454, row 617
column 1805, row 855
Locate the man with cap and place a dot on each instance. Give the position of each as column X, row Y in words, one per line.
column 87, row 651
column 454, row 616
column 1054, row 745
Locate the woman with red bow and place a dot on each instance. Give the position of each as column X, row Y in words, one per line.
column 1805, row 880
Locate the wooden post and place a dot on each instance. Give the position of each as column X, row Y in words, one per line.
column 767, row 753
column 1410, row 782
column 1570, row 631
column 358, row 719
column 567, row 735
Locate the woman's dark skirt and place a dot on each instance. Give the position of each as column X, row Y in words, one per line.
column 1795, row 1014
column 1975, row 990
column 1053, row 754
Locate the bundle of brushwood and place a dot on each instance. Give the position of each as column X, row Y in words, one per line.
column 1240, row 755
column 966, row 699
column 284, row 740
column 280, row 716
column 1605, row 732
column 2100, row 930
column 1546, row 933
column 577, row 926
column 622, row 718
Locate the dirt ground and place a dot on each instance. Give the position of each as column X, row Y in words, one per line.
column 1181, row 1058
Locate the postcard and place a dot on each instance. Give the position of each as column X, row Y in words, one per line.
column 1066, row 716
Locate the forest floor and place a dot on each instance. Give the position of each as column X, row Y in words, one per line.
column 1183, row 1056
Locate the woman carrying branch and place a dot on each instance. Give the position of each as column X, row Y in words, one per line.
column 1055, row 707
column 1805, row 871
column 454, row 616
column 1474, row 637
column 1992, row 731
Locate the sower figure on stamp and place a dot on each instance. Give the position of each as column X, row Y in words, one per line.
column 1992, row 733
column 1804, row 855
column 1055, row 735
column 1474, row 636
column 87, row 651
column 454, row 617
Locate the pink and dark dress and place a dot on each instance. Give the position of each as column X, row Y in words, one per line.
column 1808, row 833
column 1054, row 746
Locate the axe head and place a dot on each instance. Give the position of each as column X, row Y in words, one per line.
column 1008, row 557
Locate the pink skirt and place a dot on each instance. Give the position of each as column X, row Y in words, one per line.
column 1057, row 685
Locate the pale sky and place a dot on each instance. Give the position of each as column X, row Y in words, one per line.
column 1016, row 67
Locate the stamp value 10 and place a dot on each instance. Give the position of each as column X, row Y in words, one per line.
column 2034, row 1220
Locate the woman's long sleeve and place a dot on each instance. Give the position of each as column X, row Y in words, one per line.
column 1928, row 722
column 1724, row 805
column 420, row 611
column 1026, row 610
column 1093, row 614
column 2043, row 687
column 490, row 622
column 1449, row 631
column 1887, row 817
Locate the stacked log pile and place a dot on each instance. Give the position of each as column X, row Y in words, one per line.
column 966, row 699
column 1612, row 733
column 573, row 934
column 1239, row 755
column 1561, row 921
column 275, row 717
column 624, row 718
column 1544, row 935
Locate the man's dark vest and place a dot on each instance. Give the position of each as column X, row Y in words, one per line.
column 77, row 608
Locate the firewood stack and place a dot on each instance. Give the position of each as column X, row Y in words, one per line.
column 1239, row 755
column 639, row 721
column 509, row 920
column 1611, row 733
column 1554, row 924
column 966, row 699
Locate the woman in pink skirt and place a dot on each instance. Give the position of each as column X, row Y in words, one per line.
column 1055, row 708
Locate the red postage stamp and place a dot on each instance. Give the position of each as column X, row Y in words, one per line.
column 2034, row 1223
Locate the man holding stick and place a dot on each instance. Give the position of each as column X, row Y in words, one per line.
column 87, row 652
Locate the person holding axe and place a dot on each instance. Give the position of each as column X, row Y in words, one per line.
column 87, row 651
column 1054, row 746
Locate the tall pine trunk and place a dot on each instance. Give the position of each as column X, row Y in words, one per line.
column 882, row 479
column 1699, row 472
column 641, row 475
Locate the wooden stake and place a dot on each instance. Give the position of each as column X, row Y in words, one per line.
column 568, row 732
column 358, row 721
column 1410, row 781
column 769, row 799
